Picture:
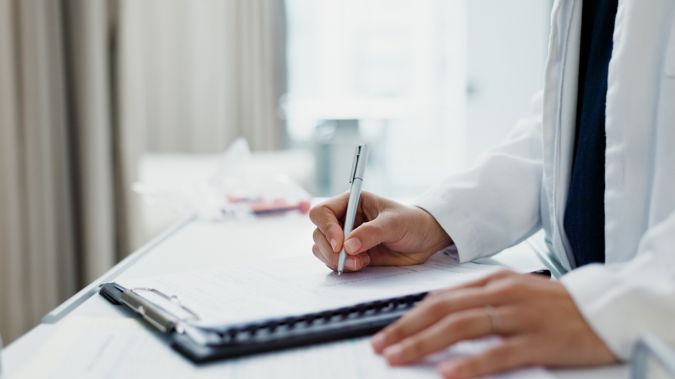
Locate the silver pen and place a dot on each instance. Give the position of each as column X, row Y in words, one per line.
column 356, row 181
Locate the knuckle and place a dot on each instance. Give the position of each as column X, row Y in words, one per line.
column 413, row 347
column 499, row 275
column 316, row 235
column 460, row 321
column 435, row 307
column 316, row 249
column 314, row 213
column 372, row 229
column 465, row 323
column 334, row 229
column 321, row 214
column 393, row 333
column 499, row 290
column 509, row 286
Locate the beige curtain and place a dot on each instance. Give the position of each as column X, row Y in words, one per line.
column 85, row 87
column 198, row 74
column 59, row 156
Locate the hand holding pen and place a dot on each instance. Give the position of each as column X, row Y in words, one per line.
column 385, row 233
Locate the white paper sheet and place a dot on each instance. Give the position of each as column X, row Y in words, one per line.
column 124, row 348
column 301, row 284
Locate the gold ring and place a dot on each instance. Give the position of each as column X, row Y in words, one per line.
column 495, row 323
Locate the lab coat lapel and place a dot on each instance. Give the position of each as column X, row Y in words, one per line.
column 560, row 98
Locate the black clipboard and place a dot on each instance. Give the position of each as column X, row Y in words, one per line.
column 210, row 343
column 203, row 344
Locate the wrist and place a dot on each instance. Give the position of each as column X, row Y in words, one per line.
column 434, row 233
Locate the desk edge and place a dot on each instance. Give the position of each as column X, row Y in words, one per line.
column 74, row 301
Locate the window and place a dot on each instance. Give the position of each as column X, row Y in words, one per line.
column 416, row 80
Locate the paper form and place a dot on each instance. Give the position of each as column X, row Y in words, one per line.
column 124, row 348
column 301, row 284
column 105, row 348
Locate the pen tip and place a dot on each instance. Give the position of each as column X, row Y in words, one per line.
column 339, row 273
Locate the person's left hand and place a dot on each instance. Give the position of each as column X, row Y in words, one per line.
column 537, row 318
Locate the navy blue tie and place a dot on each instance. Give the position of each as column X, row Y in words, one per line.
column 585, row 211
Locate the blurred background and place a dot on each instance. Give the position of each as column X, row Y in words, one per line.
column 119, row 118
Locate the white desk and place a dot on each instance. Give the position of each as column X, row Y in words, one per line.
column 194, row 245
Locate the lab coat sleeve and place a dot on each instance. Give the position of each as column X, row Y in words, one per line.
column 622, row 301
column 496, row 204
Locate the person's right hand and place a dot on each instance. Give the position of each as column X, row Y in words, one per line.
column 385, row 233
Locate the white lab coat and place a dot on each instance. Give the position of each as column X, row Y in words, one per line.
column 521, row 186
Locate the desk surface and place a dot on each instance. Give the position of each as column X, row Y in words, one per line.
column 196, row 245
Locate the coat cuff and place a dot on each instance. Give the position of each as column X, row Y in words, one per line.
column 456, row 223
column 598, row 291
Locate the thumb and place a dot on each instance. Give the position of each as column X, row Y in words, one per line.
column 370, row 234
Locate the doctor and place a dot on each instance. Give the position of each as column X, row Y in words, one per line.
column 594, row 166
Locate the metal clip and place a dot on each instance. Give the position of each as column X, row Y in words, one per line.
column 355, row 164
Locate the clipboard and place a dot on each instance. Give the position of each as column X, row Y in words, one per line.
column 202, row 343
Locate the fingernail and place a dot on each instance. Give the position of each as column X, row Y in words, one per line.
column 333, row 243
column 377, row 342
column 394, row 354
column 352, row 245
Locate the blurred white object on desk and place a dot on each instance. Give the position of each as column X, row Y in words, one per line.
column 175, row 185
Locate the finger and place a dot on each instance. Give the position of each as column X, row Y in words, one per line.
column 351, row 263
column 329, row 261
column 372, row 233
column 456, row 327
column 321, row 241
column 469, row 324
column 326, row 215
column 512, row 353
column 431, row 310
column 326, row 254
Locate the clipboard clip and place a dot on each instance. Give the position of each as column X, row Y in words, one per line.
column 161, row 313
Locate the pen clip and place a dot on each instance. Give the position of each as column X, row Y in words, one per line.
column 358, row 153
